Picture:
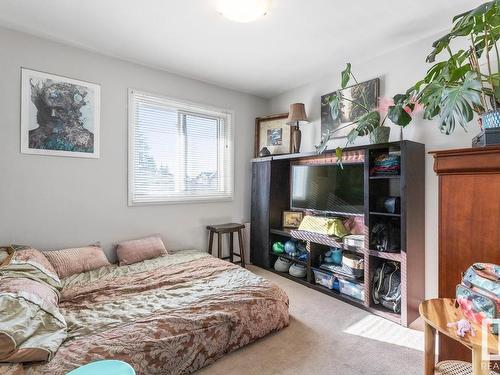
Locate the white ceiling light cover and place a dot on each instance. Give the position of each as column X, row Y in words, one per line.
column 243, row 10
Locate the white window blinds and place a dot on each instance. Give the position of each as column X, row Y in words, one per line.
column 178, row 152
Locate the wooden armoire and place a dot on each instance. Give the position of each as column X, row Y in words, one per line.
column 469, row 221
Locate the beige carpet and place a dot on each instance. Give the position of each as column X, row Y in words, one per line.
column 326, row 336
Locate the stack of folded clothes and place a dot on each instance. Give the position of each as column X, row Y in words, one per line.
column 386, row 164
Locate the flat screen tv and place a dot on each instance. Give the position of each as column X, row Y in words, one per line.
column 328, row 188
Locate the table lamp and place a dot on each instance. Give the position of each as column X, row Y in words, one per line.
column 296, row 117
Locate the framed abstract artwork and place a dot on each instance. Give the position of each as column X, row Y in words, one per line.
column 364, row 92
column 273, row 133
column 59, row 116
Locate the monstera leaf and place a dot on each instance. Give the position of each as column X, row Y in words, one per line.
column 431, row 99
column 364, row 125
column 397, row 113
column 457, row 103
column 345, row 76
column 335, row 106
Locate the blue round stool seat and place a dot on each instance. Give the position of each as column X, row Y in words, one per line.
column 110, row 366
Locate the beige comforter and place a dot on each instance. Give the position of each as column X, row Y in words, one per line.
column 170, row 315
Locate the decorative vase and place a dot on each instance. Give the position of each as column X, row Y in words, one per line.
column 380, row 135
column 491, row 119
column 296, row 138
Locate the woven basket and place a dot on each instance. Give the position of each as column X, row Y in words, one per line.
column 455, row 368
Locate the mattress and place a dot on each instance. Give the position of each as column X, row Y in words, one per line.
column 169, row 315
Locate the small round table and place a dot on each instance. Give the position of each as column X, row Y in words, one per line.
column 437, row 313
column 106, row 367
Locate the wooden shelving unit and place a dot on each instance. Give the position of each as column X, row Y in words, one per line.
column 384, row 214
column 271, row 196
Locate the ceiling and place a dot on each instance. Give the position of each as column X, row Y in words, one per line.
column 297, row 42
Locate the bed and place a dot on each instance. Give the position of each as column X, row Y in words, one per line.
column 170, row 315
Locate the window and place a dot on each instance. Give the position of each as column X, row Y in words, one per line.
column 178, row 152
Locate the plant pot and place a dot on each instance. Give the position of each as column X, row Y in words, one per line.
column 380, row 135
column 491, row 119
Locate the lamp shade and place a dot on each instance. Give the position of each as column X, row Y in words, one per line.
column 296, row 114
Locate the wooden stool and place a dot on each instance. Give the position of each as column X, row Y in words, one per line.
column 230, row 228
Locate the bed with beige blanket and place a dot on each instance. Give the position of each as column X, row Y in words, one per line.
column 169, row 315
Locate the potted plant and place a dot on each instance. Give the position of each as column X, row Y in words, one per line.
column 454, row 88
column 457, row 86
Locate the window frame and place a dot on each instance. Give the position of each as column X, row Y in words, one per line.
column 185, row 199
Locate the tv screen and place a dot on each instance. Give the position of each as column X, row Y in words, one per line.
column 328, row 188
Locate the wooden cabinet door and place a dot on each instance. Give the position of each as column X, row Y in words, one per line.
column 469, row 222
column 470, row 232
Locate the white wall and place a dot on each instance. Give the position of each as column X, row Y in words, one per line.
column 54, row 202
column 398, row 70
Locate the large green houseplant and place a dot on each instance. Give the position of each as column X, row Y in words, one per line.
column 454, row 88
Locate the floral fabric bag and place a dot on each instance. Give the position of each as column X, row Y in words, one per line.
column 479, row 294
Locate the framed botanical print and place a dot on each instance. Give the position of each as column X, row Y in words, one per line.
column 273, row 133
column 364, row 92
column 59, row 116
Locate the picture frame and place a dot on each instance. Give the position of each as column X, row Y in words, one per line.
column 274, row 133
column 60, row 116
column 348, row 111
column 292, row 219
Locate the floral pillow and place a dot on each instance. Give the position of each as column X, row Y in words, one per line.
column 25, row 261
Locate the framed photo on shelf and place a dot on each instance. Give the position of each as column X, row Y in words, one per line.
column 273, row 133
column 292, row 219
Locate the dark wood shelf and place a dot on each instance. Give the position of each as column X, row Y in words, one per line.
column 385, row 255
column 338, row 295
column 286, row 256
column 321, row 288
column 374, row 309
column 290, row 277
column 384, row 177
column 384, row 214
column 322, row 239
column 337, row 274
column 285, row 232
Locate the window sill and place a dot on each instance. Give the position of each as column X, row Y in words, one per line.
column 181, row 201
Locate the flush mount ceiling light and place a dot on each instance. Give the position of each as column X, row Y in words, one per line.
column 243, row 10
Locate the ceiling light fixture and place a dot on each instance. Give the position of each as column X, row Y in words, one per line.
column 243, row 10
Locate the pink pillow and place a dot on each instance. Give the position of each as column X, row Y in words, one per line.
column 68, row 262
column 134, row 251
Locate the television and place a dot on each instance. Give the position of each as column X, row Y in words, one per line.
column 328, row 188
